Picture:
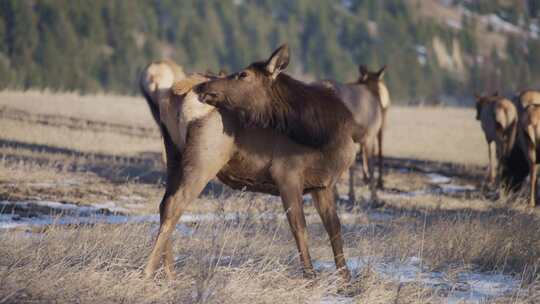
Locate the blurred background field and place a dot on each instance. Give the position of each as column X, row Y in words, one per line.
column 99, row 123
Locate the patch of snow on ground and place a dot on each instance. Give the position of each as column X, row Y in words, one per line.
column 57, row 213
column 9, row 221
column 344, row 197
column 49, row 204
column 441, row 185
column 470, row 287
column 435, row 178
column 111, row 206
column 451, row 188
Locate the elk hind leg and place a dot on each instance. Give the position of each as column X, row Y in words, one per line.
column 372, row 182
column 532, row 165
column 365, row 162
column 492, row 159
column 201, row 162
column 326, row 208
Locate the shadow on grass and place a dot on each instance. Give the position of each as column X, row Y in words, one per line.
column 143, row 168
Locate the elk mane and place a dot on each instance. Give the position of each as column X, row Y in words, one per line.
column 311, row 114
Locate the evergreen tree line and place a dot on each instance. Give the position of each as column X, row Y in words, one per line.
column 102, row 45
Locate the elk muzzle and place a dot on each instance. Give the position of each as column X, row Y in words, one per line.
column 205, row 95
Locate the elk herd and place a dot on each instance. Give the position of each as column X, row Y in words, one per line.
column 264, row 131
column 511, row 126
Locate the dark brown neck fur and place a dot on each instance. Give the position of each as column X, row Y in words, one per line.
column 312, row 115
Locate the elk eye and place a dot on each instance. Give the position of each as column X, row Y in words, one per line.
column 242, row 75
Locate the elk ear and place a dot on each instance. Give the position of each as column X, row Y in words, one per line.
column 363, row 70
column 278, row 61
column 380, row 73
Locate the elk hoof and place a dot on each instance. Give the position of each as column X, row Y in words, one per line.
column 148, row 275
column 309, row 274
column 345, row 274
column 376, row 204
column 171, row 275
column 345, row 286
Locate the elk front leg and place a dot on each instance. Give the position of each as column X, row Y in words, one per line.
column 291, row 196
column 380, row 183
column 352, row 194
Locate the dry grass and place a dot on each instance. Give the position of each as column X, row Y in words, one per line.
column 94, row 149
column 97, row 124
column 249, row 261
column 110, row 108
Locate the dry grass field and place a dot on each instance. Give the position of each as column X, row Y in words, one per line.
column 81, row 178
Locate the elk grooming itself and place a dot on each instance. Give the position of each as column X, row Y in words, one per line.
column 295, row 139
column 499, row 120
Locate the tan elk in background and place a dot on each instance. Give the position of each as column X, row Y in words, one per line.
column 529, row 105
column 528, row 97
column 499, row 120
column 368, row 99
column 374, row 82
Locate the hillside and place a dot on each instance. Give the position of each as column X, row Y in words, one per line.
column 436, row 50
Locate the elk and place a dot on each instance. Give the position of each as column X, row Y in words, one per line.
column 528, row 104
column 368, row 99
column 155, row 83
column 499, row 121
column 523, row 157
column 262, row 131
column 374, row 81
column 528, row 97
column 530, row 124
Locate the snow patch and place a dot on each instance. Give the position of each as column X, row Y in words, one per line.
column 469, row 287
column 42, row 213
column 111, row 206
column 451, row 188
column 435, row 178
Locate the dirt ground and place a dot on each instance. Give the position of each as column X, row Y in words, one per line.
column 81, row 179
